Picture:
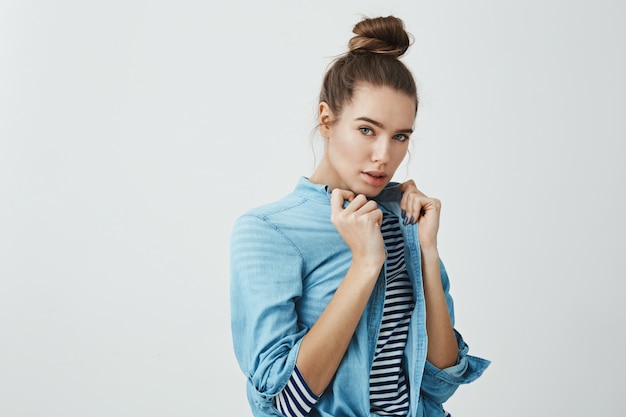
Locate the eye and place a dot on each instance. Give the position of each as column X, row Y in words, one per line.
column 366, row 131
column 401, row 137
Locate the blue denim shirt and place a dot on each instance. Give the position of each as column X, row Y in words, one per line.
column 287, row 260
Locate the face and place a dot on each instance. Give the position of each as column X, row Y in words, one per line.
column 367, row 143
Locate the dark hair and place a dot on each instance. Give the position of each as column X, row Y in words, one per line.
column 372, row 58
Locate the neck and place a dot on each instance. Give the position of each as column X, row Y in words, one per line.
column 323, row 174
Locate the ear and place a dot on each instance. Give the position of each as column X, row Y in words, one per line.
column 325, row 119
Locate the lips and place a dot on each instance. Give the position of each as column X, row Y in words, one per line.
column 376, row 174
column 375, row 178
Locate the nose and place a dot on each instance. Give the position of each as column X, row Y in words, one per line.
column 381, row 150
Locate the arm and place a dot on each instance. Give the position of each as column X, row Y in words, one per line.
column 442, row 346
column 438, row 384
column 266, row 335
column 448, row 365
column 265, row 329
column 324, row 346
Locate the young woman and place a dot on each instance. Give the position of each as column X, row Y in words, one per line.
column 335, row 287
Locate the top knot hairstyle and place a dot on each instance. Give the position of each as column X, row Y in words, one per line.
column 372, row 58
column 382, row 35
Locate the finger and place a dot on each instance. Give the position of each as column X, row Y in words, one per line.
column 430, row 205
column 357, row 203
column 338, row 196
column 366, row 208
column 415, row 210
column 408, row 196
column 378, row 216
column 375, row 215
column 407, row 185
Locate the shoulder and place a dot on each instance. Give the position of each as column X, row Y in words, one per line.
column 276, row 212
column 295, row 217
column 267, row 229
column 279, row 216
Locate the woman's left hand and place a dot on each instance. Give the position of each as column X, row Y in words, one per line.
column 422, row 210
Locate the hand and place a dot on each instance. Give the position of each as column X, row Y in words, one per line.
column 359, row 226
column 423, row 210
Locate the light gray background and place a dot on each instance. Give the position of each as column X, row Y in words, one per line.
column 133, row 133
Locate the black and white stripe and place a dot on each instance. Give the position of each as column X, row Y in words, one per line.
column 296, row 399
column 389, row 394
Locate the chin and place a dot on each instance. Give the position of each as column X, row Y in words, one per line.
column 368, row 190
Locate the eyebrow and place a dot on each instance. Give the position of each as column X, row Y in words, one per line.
column 379, row 124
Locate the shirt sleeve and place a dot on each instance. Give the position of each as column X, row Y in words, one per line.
column 438, row 385
column 266, row 281
column 296, row 399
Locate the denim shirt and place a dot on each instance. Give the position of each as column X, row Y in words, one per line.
column 286, row 260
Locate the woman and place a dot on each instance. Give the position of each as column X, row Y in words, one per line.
column 335, row 287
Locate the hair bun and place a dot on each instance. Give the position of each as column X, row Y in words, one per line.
column 380, row 35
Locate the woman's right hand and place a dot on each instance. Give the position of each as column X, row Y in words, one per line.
column 359, row 226
column 324, row 346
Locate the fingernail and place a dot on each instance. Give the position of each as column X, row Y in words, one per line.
column 412, row 219
column 403, row 213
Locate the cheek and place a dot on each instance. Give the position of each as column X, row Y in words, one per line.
column 399, row 154
column 347, row 149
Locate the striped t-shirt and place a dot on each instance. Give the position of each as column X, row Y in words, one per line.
column 389, row 394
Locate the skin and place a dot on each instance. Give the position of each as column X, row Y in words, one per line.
column 363, row 147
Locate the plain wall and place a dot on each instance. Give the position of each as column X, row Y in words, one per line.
column 134, row 133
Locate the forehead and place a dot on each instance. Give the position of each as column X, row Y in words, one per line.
column 383, row 104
